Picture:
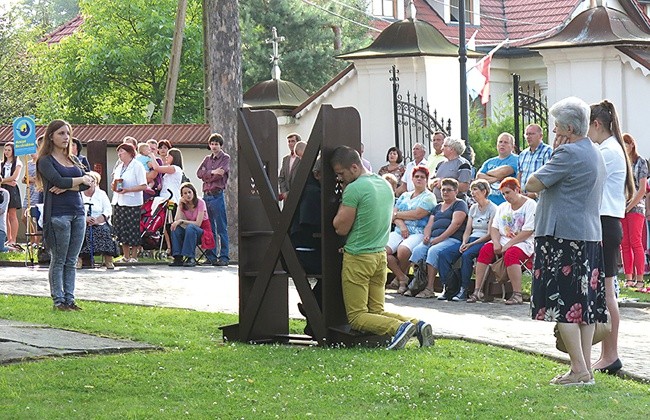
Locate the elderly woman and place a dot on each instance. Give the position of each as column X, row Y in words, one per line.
column 129, row 181
column 191, row 228
column 410, row 216
column 605, row 131
column 394, row 157
column 456, row 167
column 568, row 280
column 634, row 220
column 97, row 217
column 512, row 237
column 444, row 230
column 476, row 234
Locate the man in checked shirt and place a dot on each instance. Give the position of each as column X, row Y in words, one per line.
column 214, row 171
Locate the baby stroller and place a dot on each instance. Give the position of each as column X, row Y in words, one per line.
column 153, row 221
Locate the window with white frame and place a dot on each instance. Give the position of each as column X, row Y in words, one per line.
column 388, row 8
column 472, row 8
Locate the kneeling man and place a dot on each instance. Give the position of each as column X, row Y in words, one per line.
column 365, row 216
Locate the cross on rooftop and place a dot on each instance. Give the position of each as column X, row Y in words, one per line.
column 275, row 58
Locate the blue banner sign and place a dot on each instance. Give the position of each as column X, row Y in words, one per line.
column 24, row 136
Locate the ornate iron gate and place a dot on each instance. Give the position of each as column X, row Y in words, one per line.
column 530, row 107
column 413, row 120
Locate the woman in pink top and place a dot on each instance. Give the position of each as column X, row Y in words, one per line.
column 190, row 228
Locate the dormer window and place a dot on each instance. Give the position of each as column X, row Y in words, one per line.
column 472, row 8
column 392, row 9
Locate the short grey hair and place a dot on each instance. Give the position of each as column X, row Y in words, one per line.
column 457, row 144
column 573, row 113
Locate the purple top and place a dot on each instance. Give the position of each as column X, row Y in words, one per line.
column 212, row 182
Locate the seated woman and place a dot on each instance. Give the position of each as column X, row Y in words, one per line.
column 512, row 237
column 190, row 228
column 410, row 216
column 443, row 231
column 97, row 220
column 477, row 233
column 395, row 166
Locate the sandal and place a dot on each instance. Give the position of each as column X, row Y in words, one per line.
column 475, row 297
column 393, row 284
column 515, row 299
column 639, row 284
column 426, row 294
column 630, row 283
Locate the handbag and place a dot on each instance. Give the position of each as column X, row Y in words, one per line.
column 601, row 331
column 499, row 269
column 420, row 279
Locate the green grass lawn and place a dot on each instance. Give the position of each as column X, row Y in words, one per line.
column 199, row 376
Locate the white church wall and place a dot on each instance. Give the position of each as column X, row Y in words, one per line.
column 594, row 74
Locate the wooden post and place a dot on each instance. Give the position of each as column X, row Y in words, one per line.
column 174, row 63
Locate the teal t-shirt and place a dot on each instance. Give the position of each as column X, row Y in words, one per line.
column 373, row 199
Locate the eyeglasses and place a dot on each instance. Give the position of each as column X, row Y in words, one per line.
column 444, row 190
column 419, row 177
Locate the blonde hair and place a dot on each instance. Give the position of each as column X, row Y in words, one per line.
column 141, row 147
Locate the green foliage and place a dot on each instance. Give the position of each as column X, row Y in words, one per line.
column 483, row 135
column 115, row 69
column 196, row 375
column 19, row 83
column 307, row 55
column 45, row 15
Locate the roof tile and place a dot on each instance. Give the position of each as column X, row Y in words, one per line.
column 177, row 134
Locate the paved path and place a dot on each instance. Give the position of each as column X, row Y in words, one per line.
column 215, row 289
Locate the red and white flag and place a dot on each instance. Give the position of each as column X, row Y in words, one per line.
column 478, row 77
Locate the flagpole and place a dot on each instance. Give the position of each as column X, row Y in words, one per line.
column 462, row 58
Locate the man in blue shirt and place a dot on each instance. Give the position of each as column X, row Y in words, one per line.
column 495, row 169
column 534, row 157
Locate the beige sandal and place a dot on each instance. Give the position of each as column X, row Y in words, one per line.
column 515, row 299
column 426, row 294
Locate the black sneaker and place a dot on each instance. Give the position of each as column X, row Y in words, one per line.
column 222, row 262
column 402, row 336
column 178, row 262
column 424, row 333
column 190, row 262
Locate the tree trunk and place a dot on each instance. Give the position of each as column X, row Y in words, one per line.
column 222, row 57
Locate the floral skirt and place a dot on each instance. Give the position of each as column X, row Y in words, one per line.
column 102, row 240
column 568, row 281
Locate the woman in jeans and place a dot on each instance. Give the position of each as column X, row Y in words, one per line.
column 62, row 176
column 477, row 233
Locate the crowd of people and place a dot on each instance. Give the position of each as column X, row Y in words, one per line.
column 567, row 212
column 78, row 221
column 573, row 210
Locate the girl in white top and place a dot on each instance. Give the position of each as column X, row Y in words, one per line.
column 11, row 169
column 171, row 183
column 172, row 176
column 604, row 130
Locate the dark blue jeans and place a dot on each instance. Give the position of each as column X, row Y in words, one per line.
column 185, row 240
column 216, row 205
column 448, row 258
